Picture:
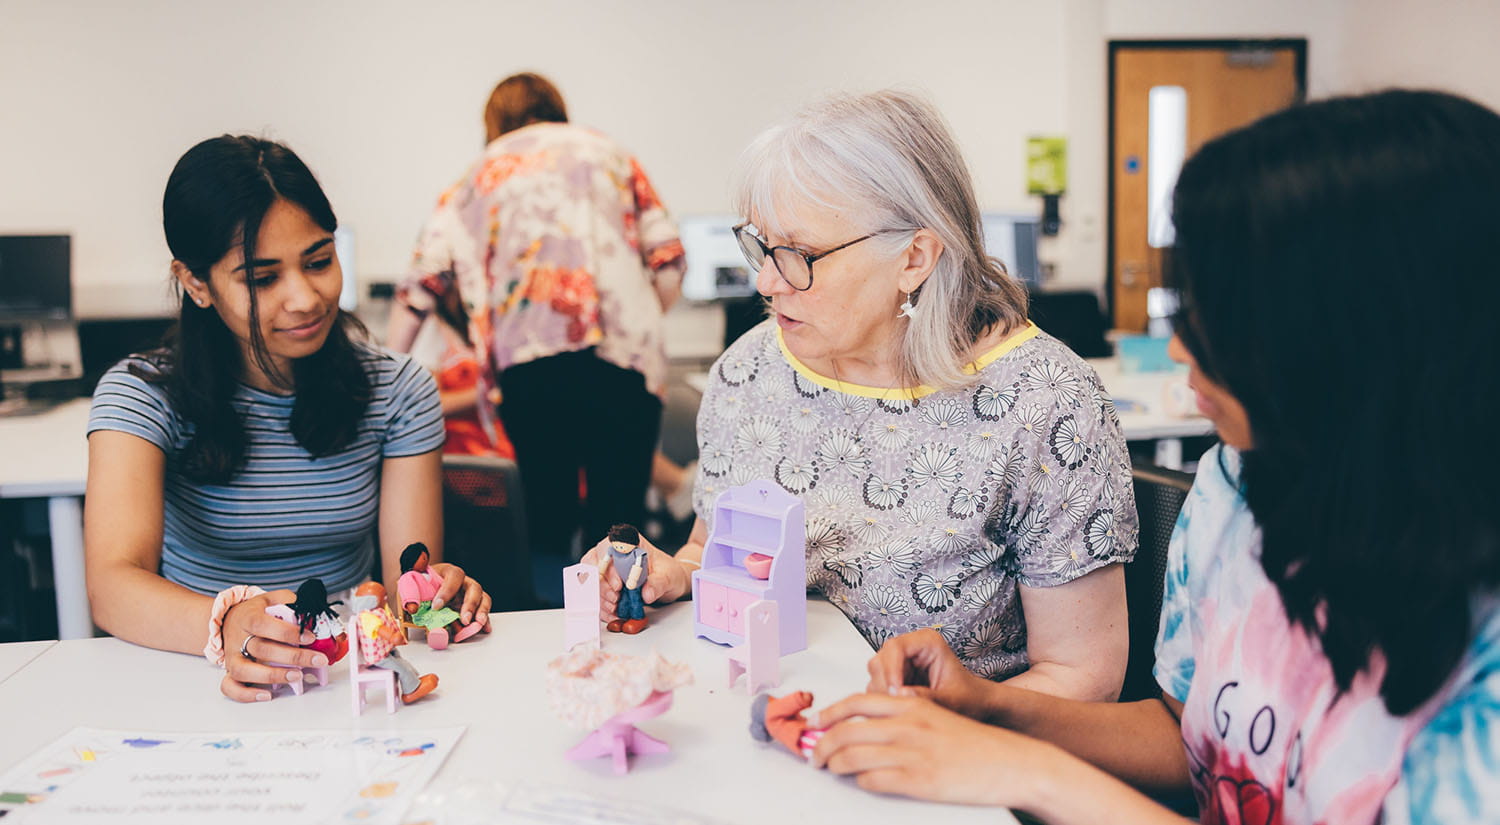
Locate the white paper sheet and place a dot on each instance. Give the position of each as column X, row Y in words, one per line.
column 128, row 777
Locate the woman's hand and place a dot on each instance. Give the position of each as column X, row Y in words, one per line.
column 922, row 663
column 667, row 579
column 908, row 745
column 475, row 606
column 272, row 642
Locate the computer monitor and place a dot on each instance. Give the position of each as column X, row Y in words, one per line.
column 36, row 278
column 1012, row 237
column 715, row 266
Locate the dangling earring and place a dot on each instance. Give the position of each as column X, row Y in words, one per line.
column 908, row 310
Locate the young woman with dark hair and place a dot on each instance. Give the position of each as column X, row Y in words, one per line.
column 1330, row 640
column 264, row 444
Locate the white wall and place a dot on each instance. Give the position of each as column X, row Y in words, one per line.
column 382, row 97
column 1446, row 44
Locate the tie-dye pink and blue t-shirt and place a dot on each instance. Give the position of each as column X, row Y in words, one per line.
column 1266, row 742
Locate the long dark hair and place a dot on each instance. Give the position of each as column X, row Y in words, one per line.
column 312, row 602
column 216, row 197
column 1339, row 264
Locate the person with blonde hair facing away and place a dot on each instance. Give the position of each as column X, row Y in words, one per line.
column 961, row 469
column 565, row 260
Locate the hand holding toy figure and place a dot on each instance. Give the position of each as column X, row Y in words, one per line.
column 623, row 561
column 420, row 590
column 261, row 650
column 662, row 577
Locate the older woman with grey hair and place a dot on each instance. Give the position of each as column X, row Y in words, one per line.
column 961, row 469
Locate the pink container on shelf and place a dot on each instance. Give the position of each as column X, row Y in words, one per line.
column 759, row 565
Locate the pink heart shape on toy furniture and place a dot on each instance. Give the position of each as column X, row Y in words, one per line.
column 765, row 618
column 583, row 576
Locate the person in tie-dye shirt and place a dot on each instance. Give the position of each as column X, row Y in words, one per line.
column 1329, row 650
column 565, row 260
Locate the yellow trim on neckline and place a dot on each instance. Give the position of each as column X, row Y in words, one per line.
column 922, row 391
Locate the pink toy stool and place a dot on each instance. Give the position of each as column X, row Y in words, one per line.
column 619, row 738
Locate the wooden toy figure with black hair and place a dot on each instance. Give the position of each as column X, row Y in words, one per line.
column 632, row 563
column 314, row 614
column 416, row 589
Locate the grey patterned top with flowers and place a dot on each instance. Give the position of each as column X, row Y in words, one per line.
column 926, row 508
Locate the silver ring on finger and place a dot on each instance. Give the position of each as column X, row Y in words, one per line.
column 245, row 649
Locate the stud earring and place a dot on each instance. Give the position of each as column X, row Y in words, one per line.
column 908, row 310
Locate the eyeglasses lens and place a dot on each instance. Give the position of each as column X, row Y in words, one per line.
column 793, row 268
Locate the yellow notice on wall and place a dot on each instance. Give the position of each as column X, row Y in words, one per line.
column 1046, row 165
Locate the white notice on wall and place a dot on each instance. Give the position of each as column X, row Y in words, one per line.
column 96, row 776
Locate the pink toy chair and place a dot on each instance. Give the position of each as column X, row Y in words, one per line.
column 618, row 737
column 361, row 675
column 285, row 614
column 580, row 606
column 759, row 658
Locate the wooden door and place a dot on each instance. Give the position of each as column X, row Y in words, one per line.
column 1226, row 85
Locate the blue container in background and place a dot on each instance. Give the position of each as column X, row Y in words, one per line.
column 1143, row 353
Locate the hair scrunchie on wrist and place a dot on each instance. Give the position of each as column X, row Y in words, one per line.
column 214, row 650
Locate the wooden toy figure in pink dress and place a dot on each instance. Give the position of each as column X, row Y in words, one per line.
column 416, row 589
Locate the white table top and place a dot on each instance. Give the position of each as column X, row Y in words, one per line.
column 17, row 655
column 45, row 454
column 495, row 686
column 1140, row 400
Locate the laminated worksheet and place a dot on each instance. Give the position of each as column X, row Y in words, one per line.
column 97, row 776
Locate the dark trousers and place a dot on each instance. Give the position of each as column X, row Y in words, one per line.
column 576, row 412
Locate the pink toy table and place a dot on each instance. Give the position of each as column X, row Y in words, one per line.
column 619, row 738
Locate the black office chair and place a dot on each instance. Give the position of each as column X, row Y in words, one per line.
column 1074, row 318
column 484, row 527
column 1159, row 494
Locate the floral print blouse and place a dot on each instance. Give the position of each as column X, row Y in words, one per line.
column 555, row 241
column 1266, row 742
column 927, row 508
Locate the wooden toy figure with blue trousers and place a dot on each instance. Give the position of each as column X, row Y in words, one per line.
column 631, row 563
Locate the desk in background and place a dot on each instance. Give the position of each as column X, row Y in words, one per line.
column 47, row 456
column 495, row 687
column 1140, row 399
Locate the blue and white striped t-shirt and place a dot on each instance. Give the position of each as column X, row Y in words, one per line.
column 286, row 516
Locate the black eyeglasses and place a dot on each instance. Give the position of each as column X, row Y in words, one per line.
column 795, row 267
